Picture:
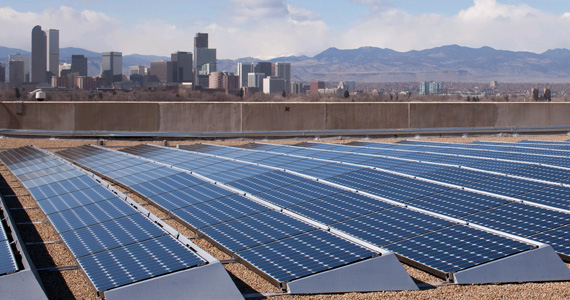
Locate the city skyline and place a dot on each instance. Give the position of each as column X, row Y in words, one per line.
column 272, row 28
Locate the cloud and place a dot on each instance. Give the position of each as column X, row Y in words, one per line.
column 485, row 23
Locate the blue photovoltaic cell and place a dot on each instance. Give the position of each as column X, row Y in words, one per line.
column 392, row 225
column 542, row 173
column 110, row 235
column 383, row 163
column 353, row 158
column 280, row 161
column 498, row 166
column 457, row 203
column 555, row 196
column 75, row 199
column 136, row 262
column 339, row 207
column 256, row 156
column 299, row 193
column 324, row 155
column 519, row 219
column 256, row 230
column 304, row 254
column 558, row 238
column 460, row 160
column 266, row 181
column 7, row 263
column 507, row 186
column 218, row 211
column 215, row 168
column 331, row 170
column 305, row 164
column 364, row 179
column 406, row 189
column 457, row 176
column 238, row 173
column 456, row 248
column 425, row 156
column 416, row 168
column 62, row 187
column 532, row 158
column 92, row 214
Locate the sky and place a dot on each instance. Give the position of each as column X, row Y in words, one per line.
column 273, row 28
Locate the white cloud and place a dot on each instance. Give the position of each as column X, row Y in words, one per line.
column 486, row 23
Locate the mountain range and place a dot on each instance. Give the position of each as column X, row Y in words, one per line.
column 451, row 63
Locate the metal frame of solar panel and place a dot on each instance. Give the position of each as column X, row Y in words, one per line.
column 545, row 253
column 499, row 186
column 125, row 254
column 19, row 278
column 273, row 242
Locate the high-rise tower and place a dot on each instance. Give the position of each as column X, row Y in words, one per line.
column 39, row 58
column 52, row 52
column 112, row 67
column 204, row 60
column 181, row 66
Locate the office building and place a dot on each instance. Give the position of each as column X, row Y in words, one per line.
column 316, row 86
column 216, row 80
column 283, row 70
column 242, row 70
column 435, row 88
column 203, row 56
column 255, row 80
column 17, row 74
column 138, row 70
column 273, row 85
column 263, row 67
column 79, row 65
column 161, row 71
column 39, row 58
column 182, row 67
column 2, row 73
column 27, row 63
column 52, row 52
column 112, row 67
column 424, row 88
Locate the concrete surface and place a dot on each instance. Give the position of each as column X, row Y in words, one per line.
column 247, row 117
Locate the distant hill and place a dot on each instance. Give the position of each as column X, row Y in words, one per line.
column 369, row 64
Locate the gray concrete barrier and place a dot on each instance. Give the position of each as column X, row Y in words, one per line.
column 247, row 117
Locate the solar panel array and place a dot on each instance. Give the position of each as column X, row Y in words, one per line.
column 113, row 243
column 280, row 246
column 468, row 205
column 529, row 219
column 347, row 211
column 7, row 261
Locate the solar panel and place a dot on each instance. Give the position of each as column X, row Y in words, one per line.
column 519, row 219
column 266, row 182
column 457, row 176
column 457, row 247
column 364, row 179
column 542, row 173
column 406, row 190
column 339, row 207
column 7, row 262
column 299, row 193
column 416, row 168
column 558, row 238
column 138, row 261
column 255, row 230
column 507, row 186
column 555, row 196
column 392, row 225
column 305, row 254
column 457, row 203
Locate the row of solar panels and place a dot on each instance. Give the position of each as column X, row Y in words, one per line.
column 113, row 242
column 455, row 247
column 499, row 211
column 7, row 260
column 278, row 245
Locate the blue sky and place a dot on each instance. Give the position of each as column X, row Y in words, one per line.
column 270, row 28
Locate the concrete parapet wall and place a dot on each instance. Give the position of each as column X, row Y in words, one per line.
column 247, row 117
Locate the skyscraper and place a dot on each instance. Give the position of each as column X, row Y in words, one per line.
column 79, row 64
column 16, row 72
column 39, row 58
column 112, row 67
column 243, row 69
column 161, row 71
column 181, row 66
column 52, row 52
column 263, row 67
column 27, row 62
column 283, row 70
column 203, row 56
column 2, row 73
